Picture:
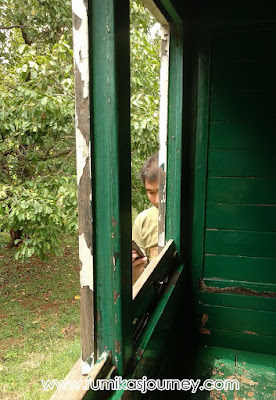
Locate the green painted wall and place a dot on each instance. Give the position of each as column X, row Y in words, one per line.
column 234, row 214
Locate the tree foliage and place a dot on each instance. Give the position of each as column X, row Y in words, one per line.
column 38, row 186
column 144, row 85
column 37, row 146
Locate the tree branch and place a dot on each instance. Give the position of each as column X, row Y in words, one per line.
column 61, row 168
column 57, row 154
column 5, row 170
column 14, row 26
column 48, row 151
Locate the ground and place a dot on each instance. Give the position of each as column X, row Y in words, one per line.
column 39, row 321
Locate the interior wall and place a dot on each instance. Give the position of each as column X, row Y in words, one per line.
column 233, row 260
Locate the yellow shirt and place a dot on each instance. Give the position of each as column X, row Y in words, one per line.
column 145, row 232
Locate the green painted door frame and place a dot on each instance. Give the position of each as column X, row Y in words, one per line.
column 110, row 165
column 110, row 153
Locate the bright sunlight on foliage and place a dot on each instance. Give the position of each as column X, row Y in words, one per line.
column 144, row 86
column 37, row 144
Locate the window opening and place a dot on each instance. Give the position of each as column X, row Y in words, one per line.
column 149, row 60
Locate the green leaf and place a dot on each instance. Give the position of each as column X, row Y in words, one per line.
column 24, row 68
column 44, row 101
column 21, row 48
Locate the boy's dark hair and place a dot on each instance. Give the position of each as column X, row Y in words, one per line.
column 150, row 169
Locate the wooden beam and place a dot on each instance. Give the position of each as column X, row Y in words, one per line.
column 149, row 270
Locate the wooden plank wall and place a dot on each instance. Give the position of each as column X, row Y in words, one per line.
column 240, row 210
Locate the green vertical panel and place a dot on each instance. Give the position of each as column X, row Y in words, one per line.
column 109, row 49
column 200, row 167
column 174, row 140
column 123, row 191
column 240, row 213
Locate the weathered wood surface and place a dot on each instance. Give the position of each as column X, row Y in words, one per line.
column 146, row 275
column 254, row 372
column 83, row 146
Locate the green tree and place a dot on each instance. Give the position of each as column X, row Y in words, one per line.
column 38, row 186
column 37, row 145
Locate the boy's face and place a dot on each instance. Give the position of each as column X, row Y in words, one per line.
column 152, row 191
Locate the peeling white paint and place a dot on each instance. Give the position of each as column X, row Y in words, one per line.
column 81, row 44
column 86, row 258
column 86, row 367
column 82, row 153
column 161, row 239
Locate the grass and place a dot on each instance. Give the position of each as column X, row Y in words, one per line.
column 39, row 321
